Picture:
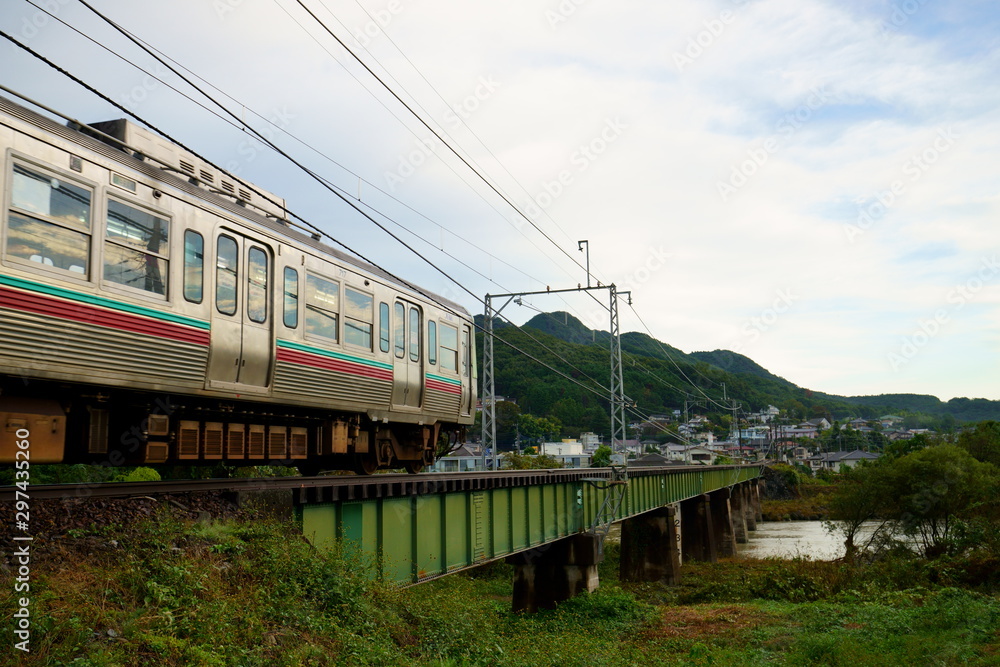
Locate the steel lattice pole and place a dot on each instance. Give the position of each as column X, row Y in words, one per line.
column 617, row 382
column 489, row 399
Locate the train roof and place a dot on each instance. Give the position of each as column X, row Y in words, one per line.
column 272, row 215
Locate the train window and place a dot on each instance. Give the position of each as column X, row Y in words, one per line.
column 383, row 327
column 399, row 330
column 291, row 297
column 52, row 198
column 414, row 334
column 136, row 248
column 226, row 273
column 449, row 347
column 257, row 285
column 194, row 266
column 358, row 318
column 49, row 221
column 432, row 342
column 465, row 352
column 322, row 307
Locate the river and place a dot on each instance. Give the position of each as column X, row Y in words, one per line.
column 787, row 539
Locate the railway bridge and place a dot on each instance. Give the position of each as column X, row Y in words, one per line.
column 549, row 524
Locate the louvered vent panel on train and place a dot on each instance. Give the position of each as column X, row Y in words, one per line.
column 298, row 443
column 236, row 437
column 188, row 440
column 97, row 443
column 213, row 440
column 163, row 152
column 255, row 442
column 277, row 442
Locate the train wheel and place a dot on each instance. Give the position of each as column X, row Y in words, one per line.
column 414, row 467
column 365, row 465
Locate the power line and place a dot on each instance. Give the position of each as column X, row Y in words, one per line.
column 436, row 134
column 600, row 391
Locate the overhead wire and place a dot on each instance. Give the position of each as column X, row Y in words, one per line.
column 427, row 125
column 599, row 391
column 482, row 177
column 242, row 126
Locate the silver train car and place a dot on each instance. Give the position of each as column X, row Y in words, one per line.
column 156, row 311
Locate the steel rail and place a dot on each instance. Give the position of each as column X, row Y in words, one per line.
column 337, row 487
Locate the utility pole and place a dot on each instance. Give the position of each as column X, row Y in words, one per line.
column 617, row 396
column 579, row 246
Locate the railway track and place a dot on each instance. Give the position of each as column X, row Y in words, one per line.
column 334, row 488
column 323, row 487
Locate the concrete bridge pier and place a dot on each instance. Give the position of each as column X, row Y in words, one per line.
column 697, row 534
column 547, row 575
column 737, row 503
column 749, row 513
column 723, row 531
column 650, row 547
column 755, row 490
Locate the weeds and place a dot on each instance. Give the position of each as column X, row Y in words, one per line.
column 172, row 592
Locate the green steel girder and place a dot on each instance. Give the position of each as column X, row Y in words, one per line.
column 408, row 539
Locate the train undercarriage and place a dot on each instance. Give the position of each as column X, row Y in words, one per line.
column 73, row 424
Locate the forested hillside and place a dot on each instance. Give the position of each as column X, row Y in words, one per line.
column 658, row 378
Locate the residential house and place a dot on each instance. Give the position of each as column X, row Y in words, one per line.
column 834, row 460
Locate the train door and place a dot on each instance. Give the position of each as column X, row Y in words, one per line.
column 468, row 377
column 242, row 345
column 408, row 366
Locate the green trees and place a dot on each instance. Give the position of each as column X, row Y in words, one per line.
column 536, row 429
column 601, row 457
column 982, row 441
column 922, row 496
column 515, row 461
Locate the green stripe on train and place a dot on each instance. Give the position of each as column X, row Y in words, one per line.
column 103, row 302
column 440, row 378
column 292, row 345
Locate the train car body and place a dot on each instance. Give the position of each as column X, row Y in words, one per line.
column 156, row 311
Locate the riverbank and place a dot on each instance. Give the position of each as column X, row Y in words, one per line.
column 811, row 504
column 168, row 590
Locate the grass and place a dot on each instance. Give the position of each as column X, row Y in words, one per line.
column 168, row 592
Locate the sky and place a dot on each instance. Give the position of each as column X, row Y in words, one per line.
column 811, row 183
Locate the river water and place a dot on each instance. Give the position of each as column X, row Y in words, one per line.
column 788, row 539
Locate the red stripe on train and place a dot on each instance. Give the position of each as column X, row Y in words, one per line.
column 69, row 310
column 444, row 386
column 331, row 364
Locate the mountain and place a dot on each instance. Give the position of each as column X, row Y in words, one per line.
column 660, row 378
column 734, row 362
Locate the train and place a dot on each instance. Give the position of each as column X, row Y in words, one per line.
column 155, row 310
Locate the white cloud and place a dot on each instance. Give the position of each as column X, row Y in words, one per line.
column 847, row 102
